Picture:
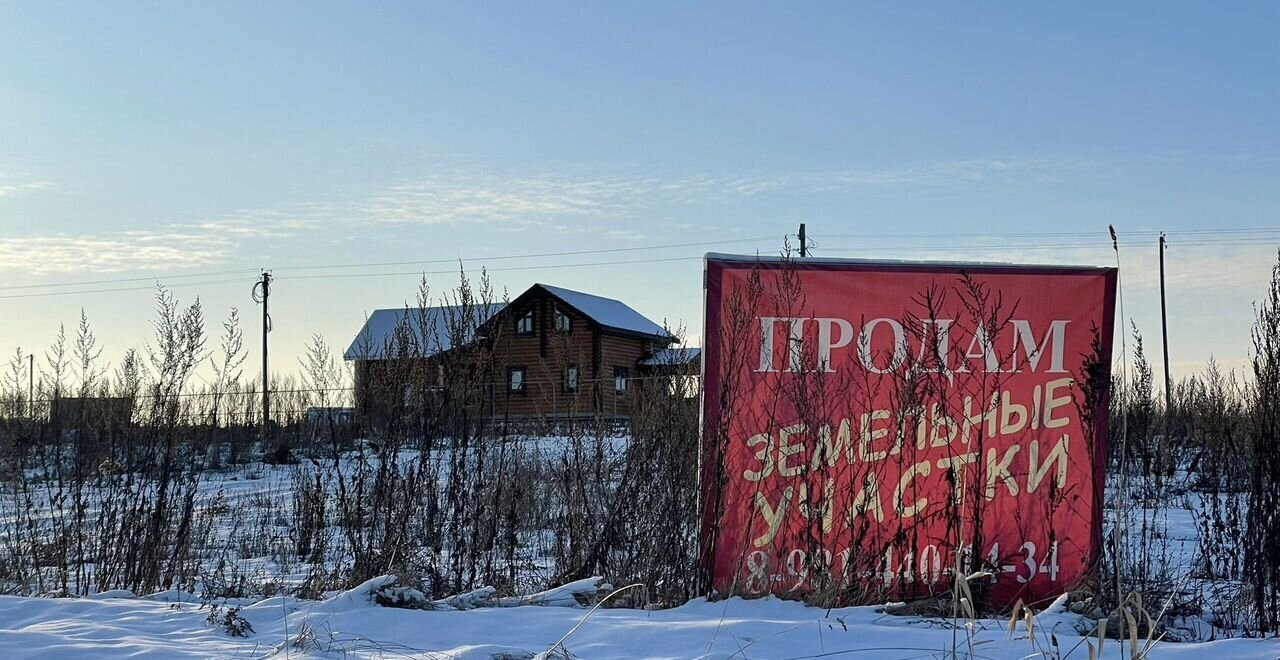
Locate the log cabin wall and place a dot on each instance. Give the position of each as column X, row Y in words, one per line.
column 545, row 356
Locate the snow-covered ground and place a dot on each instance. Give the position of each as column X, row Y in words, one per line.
column 257, row 500
column 248, row 511
column 349, row 626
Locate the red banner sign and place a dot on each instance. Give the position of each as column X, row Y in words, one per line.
column 871, row 429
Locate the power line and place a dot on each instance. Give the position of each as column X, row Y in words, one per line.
column 496, row 270
column 1060, row 234
column 1047, row 246
column 135, row 288
column 128, row 279
column 362, row 275
column 1241, row 242
column 508, row 257
column 1204, row 237
column 743, row 240
column 370, row 265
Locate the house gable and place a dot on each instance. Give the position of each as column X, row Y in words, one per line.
column 608, row 314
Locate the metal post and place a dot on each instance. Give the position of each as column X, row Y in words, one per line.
column 265, row 283
column 1164, row 331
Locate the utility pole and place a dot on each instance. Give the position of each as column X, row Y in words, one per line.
column 31, row 385
column 261, row 295
column 1164, row 331
column 804, row 245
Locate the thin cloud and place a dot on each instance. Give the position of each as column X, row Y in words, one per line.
column 12, row 185
column 488, row 197
column 125, row 251
column 566, row 200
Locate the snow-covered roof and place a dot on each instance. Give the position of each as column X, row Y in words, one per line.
column 430, row 327
column 672, row 357
column 607, row 312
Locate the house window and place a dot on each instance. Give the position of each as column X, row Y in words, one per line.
column 571, row 378
column 515, row 380
column 564, row 324
column 620, row 380
column 524, row 325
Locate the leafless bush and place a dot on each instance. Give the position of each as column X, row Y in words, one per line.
column 451, row 491
column 105, row 469
column 1262, row 550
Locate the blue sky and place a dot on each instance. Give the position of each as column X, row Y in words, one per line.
column 175, row 139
